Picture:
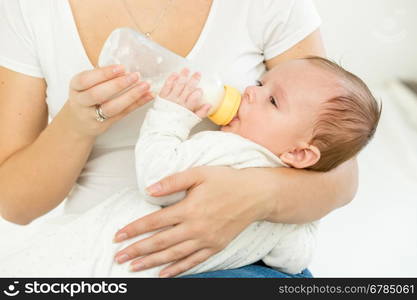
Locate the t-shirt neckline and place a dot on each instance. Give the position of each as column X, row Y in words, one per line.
column 190, row 55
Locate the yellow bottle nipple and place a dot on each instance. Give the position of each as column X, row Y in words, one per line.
column 228, row 107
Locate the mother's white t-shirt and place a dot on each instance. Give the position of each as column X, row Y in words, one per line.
column 39, row 38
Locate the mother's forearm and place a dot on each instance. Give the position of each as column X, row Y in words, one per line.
column 302, row 196
column 37, row 178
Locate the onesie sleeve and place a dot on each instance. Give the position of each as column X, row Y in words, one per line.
column 163, row 147
column 17, row 51
column 282, row 24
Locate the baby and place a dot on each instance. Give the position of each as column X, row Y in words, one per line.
column 305, row 113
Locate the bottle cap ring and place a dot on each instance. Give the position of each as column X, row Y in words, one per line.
column 228, row 108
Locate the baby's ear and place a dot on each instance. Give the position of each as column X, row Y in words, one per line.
column 301, row 158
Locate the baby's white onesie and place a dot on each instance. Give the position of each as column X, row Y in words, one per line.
column 81, row 245
column 164, row 148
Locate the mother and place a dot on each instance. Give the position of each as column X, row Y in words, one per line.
column 45, row 43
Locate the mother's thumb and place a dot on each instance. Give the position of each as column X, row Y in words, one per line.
column 174, row 183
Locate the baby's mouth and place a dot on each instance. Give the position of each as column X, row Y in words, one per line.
column 234, row 118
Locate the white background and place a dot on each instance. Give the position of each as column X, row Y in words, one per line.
column 376, row 39
column 376, row 234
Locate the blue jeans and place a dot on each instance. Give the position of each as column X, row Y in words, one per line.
column 256, row 270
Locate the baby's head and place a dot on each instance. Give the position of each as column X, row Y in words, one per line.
column 309, row 112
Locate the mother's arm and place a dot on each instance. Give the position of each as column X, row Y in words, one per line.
column 222, row 202
column 306, row 196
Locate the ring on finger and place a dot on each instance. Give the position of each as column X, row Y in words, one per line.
column 100, row 116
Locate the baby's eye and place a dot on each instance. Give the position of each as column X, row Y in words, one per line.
column 273, row 101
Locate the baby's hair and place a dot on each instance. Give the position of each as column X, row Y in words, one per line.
column 345, row 123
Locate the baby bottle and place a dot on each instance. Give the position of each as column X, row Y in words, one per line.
column 155, row 63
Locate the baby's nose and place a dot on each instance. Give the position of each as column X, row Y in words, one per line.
column 251, row 94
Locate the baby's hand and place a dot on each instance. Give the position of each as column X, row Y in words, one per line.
column 184, row 91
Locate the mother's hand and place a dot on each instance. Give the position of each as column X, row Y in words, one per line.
column 106, row 87
column 220, row 204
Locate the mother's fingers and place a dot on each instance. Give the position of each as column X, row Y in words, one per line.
column 168, row 216
column 174, row 253
column 120, row 103
column 88, row 79
column 187, row 263
column 152, row 244
column 105, row 90
column 135, row 105
column 177, row 182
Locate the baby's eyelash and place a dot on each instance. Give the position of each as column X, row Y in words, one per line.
column 272, row 99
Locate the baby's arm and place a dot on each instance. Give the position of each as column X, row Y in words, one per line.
column 162, row 148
